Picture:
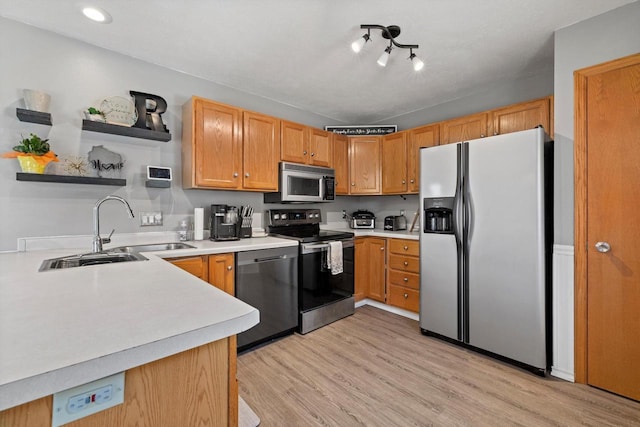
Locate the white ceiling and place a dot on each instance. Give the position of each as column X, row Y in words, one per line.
column 297, row 52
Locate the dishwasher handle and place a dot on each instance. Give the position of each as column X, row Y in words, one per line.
column 270, row 258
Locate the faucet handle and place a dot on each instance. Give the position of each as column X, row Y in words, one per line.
column 108, row 239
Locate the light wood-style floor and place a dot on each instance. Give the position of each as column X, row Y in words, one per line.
column 376, row 369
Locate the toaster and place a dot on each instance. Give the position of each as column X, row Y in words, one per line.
column 395, row 222
column 363, row 219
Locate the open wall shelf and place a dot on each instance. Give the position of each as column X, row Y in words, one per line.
column 68, row 179
column 33, row 116
column 125, row 131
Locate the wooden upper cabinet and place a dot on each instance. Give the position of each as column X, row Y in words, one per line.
column 221, row 272
column 294, row 142
column 464, row 128
column 320, row 148
column 425, row 136
column 394, row 163
column 364, row 165
column 341, row 162
column 522, row 116
column 260, row 151
column 211, row 145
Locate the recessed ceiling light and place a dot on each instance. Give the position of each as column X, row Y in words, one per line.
column 97, row 14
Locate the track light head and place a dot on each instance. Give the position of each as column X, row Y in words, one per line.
column 382, row 61
column 417, row 62
column 357, row 45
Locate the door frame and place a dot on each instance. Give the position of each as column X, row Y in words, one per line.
column 580, row 207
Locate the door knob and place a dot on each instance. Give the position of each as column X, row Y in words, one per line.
column 603, row 247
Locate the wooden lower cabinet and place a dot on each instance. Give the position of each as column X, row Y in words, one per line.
column 196, row 265
column 388, row 270
column 187, row 389
column 221, row 272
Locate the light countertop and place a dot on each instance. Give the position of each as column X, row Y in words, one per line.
column 377, row 232
column 63, row 328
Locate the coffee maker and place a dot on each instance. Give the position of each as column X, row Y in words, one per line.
column 225, row 223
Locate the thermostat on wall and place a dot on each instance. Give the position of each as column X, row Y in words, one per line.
column 158, row 176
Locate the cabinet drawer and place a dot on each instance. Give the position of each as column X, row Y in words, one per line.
column 406, row 298
column 195, row 265
column 405, row 247
column 404, row 263
column 402, row 278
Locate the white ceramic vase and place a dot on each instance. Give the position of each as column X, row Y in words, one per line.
column 36, row 100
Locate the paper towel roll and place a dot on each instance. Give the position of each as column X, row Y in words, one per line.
column 198, row 223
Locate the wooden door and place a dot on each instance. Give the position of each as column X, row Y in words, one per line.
column 464, row 128
column 320, row 149
column 341, row 162
column 607, row 206
column 221, row 272
column 394, row 163
column 212, row 145
column 425, row 136
column 523, row 116
column 364, row 164
column 261, row 151
column 294, row 142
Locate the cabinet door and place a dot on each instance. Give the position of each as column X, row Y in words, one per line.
column 212, row 153
column 320, row 149
column 196, row 265
column 464, row 128
column 341, row 162
column 364, row 165
column 376, row 255
column 426, row 136
column 294, row 142
column 221, row 272
column 523, row 116
column 361, row 269
column 261, row 152
column 394, row 163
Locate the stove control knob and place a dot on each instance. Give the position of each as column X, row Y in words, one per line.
column 283, row 216
column 276, row 216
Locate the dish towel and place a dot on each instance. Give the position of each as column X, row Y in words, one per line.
column 334, row 255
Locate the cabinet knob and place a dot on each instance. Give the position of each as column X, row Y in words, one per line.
column 412, row 181
column 404, row 182
column 313, row 154
column 229, row 268
column 382, row 248
column 406, row 296
column 246, row 175
column 482, row 135
column 353, row 184
column 406, row 263
column 235, row 174
column 495, row 133
column 406, row 279
column 405, row 247
column 304, row 152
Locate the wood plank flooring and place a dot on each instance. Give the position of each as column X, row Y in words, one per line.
column 376, row 369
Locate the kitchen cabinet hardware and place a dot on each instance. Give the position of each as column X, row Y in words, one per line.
column 235, row 175
column 406, row 279
column 405, row 247
column 406, row 295
column 68, row 179
column 133, row 132
column 31, row 116
column 229, row 268
column 304, row 152
column 246, row 175
column 313, row 154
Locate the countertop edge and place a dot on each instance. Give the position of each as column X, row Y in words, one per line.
column 32, row 388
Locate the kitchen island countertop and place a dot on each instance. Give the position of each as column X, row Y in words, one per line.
column 63, row 328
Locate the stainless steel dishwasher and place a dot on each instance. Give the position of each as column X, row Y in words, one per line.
column 267, row 279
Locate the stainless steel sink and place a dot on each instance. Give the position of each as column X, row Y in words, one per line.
column 96, row 258
column 154, row 247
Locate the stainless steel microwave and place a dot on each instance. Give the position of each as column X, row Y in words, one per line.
column 303, row 184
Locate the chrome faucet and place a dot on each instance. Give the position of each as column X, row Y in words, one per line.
column 97, row 240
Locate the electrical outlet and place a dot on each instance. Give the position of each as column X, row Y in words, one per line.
column 150, row 218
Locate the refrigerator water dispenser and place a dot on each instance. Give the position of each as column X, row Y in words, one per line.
column 438, row 215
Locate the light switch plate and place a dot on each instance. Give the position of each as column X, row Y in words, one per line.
column 87, row 399
column 150, row 218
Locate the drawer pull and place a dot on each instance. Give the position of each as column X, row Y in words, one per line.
column 406, row 263
column 406, row 248
column 406, row 279
column 406, row 296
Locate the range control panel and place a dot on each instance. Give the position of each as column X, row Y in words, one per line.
column 278, row 217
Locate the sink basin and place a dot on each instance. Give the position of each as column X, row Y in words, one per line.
column 89, row 259
column 152, row 247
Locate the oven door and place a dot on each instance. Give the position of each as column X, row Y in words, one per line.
column 317, row 286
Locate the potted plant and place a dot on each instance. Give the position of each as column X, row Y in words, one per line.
column 33, row 153
column 95, row 115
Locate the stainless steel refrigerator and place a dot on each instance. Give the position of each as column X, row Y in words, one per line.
column 485, row 245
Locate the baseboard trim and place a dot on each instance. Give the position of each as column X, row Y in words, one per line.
column 389, row 308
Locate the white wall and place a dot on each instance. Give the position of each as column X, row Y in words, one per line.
column 605, row 37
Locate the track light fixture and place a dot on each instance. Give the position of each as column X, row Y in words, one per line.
column 390, row 33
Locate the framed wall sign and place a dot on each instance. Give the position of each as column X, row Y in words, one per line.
column 362, row 130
